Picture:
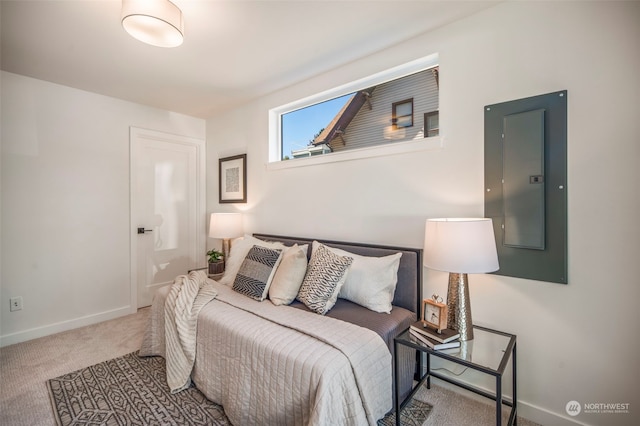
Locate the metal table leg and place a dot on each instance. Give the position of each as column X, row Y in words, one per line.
column 396, row 373
column 515, row 386
column 498, row 400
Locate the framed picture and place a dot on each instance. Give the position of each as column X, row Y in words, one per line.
column 233, row 179
column 434, row 314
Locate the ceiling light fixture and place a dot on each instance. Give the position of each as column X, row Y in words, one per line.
column 155, row 22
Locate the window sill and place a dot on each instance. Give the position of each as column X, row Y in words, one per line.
column 426, row 144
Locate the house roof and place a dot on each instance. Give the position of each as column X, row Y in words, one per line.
column 342, row 119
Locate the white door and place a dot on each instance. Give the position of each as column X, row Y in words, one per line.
column 167, row 210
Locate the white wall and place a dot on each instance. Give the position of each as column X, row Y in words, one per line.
column 65, row 203
column 575, row 342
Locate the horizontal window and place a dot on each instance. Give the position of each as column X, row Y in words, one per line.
column 374, row 111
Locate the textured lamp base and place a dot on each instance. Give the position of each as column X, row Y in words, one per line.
column 459, row 306
column 226, row 249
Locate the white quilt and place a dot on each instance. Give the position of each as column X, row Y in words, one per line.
column 269, row 364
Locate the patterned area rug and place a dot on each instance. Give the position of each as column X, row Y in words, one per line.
column 128, row 391
column 133, row 391
column 413, row 414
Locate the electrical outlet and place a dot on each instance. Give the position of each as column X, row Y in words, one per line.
column 15, row 304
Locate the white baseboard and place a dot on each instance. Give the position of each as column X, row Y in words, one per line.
column 34, row 333
column 545, row 417
column 526, row 410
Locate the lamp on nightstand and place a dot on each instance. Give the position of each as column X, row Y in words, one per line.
column 460, row 246
column 225, row 226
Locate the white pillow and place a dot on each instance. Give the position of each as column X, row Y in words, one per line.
column 239, row 249
column 325, row 275
column 289, row 275
column 371, row 281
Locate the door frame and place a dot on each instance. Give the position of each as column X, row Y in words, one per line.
column 136, row 135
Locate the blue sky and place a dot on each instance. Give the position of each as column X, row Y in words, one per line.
column 299, row 127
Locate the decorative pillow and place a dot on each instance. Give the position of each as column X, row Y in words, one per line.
column 372, row 280
column 239, row 249
column 256, row 272
column 289, row 275
column 325, row 275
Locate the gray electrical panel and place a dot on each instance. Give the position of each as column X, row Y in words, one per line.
column 525, row 185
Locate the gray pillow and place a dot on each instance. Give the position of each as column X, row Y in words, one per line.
column 325, row 275
column 256, row 272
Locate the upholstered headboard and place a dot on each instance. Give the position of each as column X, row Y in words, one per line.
column 408, row 293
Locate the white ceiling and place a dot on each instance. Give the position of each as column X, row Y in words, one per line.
column 234, row 51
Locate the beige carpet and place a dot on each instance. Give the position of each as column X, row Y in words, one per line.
column 25, row 368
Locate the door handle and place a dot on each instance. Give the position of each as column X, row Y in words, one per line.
column 142, row 230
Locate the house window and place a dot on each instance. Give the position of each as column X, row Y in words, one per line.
column 431, row 124
column 355, row 118
column 402, row 114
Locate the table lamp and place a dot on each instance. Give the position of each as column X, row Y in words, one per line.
column 225, row 226
column 460, row 246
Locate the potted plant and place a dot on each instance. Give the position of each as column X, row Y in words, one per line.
column 216, row 262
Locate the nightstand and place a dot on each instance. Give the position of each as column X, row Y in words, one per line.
column 489, row 352
column 215, row 277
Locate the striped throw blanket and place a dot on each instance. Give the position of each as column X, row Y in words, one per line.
column 187, row 296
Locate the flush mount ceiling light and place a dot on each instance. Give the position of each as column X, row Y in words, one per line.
column 155, row 22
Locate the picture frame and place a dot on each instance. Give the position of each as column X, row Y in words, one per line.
column 434, row 315
column 232, row 179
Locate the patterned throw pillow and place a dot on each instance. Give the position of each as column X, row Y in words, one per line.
column 256, row 272
column 239, row 249
column 325, row 275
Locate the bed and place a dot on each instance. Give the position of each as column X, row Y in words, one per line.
column 286, row 364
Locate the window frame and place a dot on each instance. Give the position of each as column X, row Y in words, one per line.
column 427, row 130
column 275, row 133
column 394, row 115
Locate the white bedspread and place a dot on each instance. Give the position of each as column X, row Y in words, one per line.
column 269, row 364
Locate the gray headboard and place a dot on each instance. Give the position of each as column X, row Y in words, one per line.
column 409, row 288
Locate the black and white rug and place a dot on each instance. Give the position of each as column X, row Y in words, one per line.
column 130, row 390
column 413, row 414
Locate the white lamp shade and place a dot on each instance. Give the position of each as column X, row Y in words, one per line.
column 155, row 22
column 464, row 245
column 225, row 225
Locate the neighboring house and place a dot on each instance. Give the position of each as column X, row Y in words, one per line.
column 396, row 110
column 311, row 150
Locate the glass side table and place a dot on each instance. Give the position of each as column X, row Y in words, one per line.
column 489, row 353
